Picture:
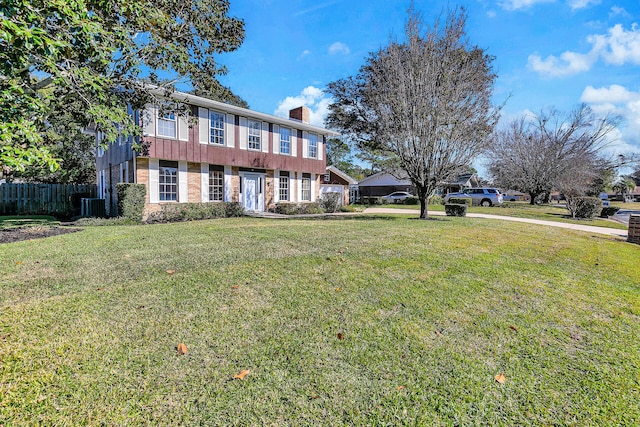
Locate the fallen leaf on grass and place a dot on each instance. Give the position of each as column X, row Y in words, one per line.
column 242, row 374
column 401, row 387
column 513, row 328
column 338, row 289
column 235, row 287
column 19, row 263
column 438, row 333
column 100, row 289
column 182, row 349
column 340, row 336
column 501, row 378
column 170, row 272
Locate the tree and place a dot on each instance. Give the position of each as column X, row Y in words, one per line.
column 95, row 54
column 551, row 151
column 423, row 105
column 625, row 186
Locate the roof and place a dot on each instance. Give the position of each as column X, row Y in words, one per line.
column 341, row 174
column 209, row 103
column 383, row 178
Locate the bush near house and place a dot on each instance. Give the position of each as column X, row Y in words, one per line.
column 176, row 212
column 455, row 209
column 330, row 202
column 583, row 207
column 306, row 208
column 461, row 201
column 131, row 198
column 608, row 211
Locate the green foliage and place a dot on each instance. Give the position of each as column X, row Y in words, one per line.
column 608, row 211
column 584, row 207
column 436, row 200
column 462, row 200
column 330, row 202
column 305, row 208
column 411, row 201
column 177, row 212
column 454, row 209
column 131, row 200
column 87, row 59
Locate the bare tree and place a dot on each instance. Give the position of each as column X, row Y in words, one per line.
column 424, row 104
column 551, row 151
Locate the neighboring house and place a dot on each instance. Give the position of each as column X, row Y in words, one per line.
column 383, row 183
column 336, row 181
column 467, row 180
column 220, row 153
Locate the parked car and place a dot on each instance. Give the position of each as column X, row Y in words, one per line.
column 479, row 196
column 397, row 196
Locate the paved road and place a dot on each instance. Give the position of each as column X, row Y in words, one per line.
column 588, row 228
column 623, row 215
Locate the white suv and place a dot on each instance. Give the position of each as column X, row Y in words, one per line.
column 479, row 196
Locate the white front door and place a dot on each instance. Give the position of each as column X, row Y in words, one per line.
column 252, row 193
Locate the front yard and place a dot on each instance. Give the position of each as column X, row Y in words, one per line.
column 353, row 321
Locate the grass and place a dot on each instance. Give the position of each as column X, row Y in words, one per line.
column 8, row 222
column 551, row 212
column 429, row 312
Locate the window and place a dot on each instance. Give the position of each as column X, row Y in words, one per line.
column 216, row 183
column 313, row 145
column 167, row 125
column 284, row 187
column 216, row 128
column 285, row 140
column 306, row 189
column 168, row 181
column 255, row 129
column 327, row 177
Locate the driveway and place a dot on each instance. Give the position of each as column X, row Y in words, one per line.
column 588, row 228
column 624, row 214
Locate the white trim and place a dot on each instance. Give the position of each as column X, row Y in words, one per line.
column 264, row 138
column 305, row 145
column 154, row 178
column 276, row 139
column 312, row 185
column 203, row 125
column 293, row 147
column 229, row 130
column 204, row 182
column 276, row 182
column 320, row 146
column 183, row 183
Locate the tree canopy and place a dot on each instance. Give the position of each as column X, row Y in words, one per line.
column 552, row 151
column 422, row 105
column 94, row 59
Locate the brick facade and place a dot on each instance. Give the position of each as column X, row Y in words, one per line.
column 634, row 229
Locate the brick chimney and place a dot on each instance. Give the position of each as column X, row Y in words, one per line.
column 301, row 114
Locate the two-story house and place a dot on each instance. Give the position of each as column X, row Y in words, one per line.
column 220, row 153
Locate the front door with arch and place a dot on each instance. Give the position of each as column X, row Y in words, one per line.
column 252, row 192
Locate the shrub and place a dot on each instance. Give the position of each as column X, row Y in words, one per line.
column 305, row 208
column 583, row 207
column 455, row 209
column 461, row 201
column 131, row 199
column 608, row 211
column 102, row 222
column 371, row 200
column 436, row 200
column 330, row 202
column 411, row 201
column 175, row 212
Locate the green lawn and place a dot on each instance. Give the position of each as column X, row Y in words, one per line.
column 551, row 212
column 7, row 222
column 359, row 321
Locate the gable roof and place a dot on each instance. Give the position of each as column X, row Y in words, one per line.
column 382, row 178
column 341, row 174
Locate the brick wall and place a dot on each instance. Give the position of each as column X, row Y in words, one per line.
column 195, row 183
column 634, row 229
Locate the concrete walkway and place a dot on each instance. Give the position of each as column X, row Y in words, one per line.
column 614, row 232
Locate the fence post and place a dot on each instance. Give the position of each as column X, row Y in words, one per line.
column 634, row 229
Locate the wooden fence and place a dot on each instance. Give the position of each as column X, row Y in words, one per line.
column 44, row 199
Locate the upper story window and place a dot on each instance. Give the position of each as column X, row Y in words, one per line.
column 313, row 145
column 167, row 125
column 285, row 140
column 255, row 130
column 216, row 128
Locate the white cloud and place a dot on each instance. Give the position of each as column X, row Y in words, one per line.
column 618, row 46
column 569, row 63
column 582, row 4
column 304, row 53
column 311, row 97
column 614, row 94
column 339, row 48
column 618, row 11
column 522, row 4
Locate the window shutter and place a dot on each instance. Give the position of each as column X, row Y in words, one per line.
column 153, row 186
column 228, row 184
column 305, row 145
column 276, row 139
column 229, row 130
column 312, row 184
column 320, row 146
column 264, row 138
column 203, row 125
column 204, row 182
column 243, row 133
column 183, row 185
column 148, row 117
column 276, row 185
column 294, row 143
column 183, row 128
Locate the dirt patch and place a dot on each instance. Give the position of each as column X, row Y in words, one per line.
column 10, row 235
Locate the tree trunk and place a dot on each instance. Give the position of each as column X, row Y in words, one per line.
column 423, row 207
column 533, row 198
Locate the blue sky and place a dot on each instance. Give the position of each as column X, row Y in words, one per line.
column 548, row 53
